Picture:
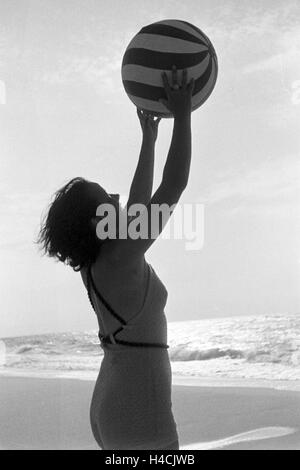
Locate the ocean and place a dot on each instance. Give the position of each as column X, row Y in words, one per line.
column 253, row 347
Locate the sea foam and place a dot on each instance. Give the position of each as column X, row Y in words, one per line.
column 254, row 347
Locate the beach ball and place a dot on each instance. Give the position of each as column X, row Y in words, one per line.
column 155, row 48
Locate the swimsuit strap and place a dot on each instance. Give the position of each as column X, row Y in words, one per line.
column 109, row 308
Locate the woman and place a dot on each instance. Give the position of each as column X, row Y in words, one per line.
column 131, row 406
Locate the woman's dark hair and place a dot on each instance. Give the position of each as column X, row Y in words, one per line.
column 66, row 232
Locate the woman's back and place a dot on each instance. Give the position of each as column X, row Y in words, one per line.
column 144, row 318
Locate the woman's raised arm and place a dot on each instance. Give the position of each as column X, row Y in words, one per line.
column 142, row 183
column 175, row 173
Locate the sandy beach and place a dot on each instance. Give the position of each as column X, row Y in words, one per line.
column 53, row 413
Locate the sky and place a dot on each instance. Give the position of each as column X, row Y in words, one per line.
column 64, row 113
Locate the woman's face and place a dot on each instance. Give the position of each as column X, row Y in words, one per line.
column 100, row 196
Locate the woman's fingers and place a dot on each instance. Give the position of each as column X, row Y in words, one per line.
column 166, row 82
column 141, row 114
column 191, row 86
column 147, row 117
column 174, row 75
column 184, row 78
column 151, row 120
column 175, row 83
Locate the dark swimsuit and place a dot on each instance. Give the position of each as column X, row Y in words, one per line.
column 110, row 338
column 131, row 407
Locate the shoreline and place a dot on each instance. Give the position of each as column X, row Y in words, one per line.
column 179, row 380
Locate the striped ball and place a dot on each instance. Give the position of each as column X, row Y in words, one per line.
column 155, row 49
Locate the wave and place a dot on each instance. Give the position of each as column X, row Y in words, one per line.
column 273, row 355
column 31, row 349
column 24, row 349
column 179, row 353
column 257, row 346
column 183, row 353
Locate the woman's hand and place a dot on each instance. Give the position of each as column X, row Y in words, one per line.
column 178, row 96
column 148, row 124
